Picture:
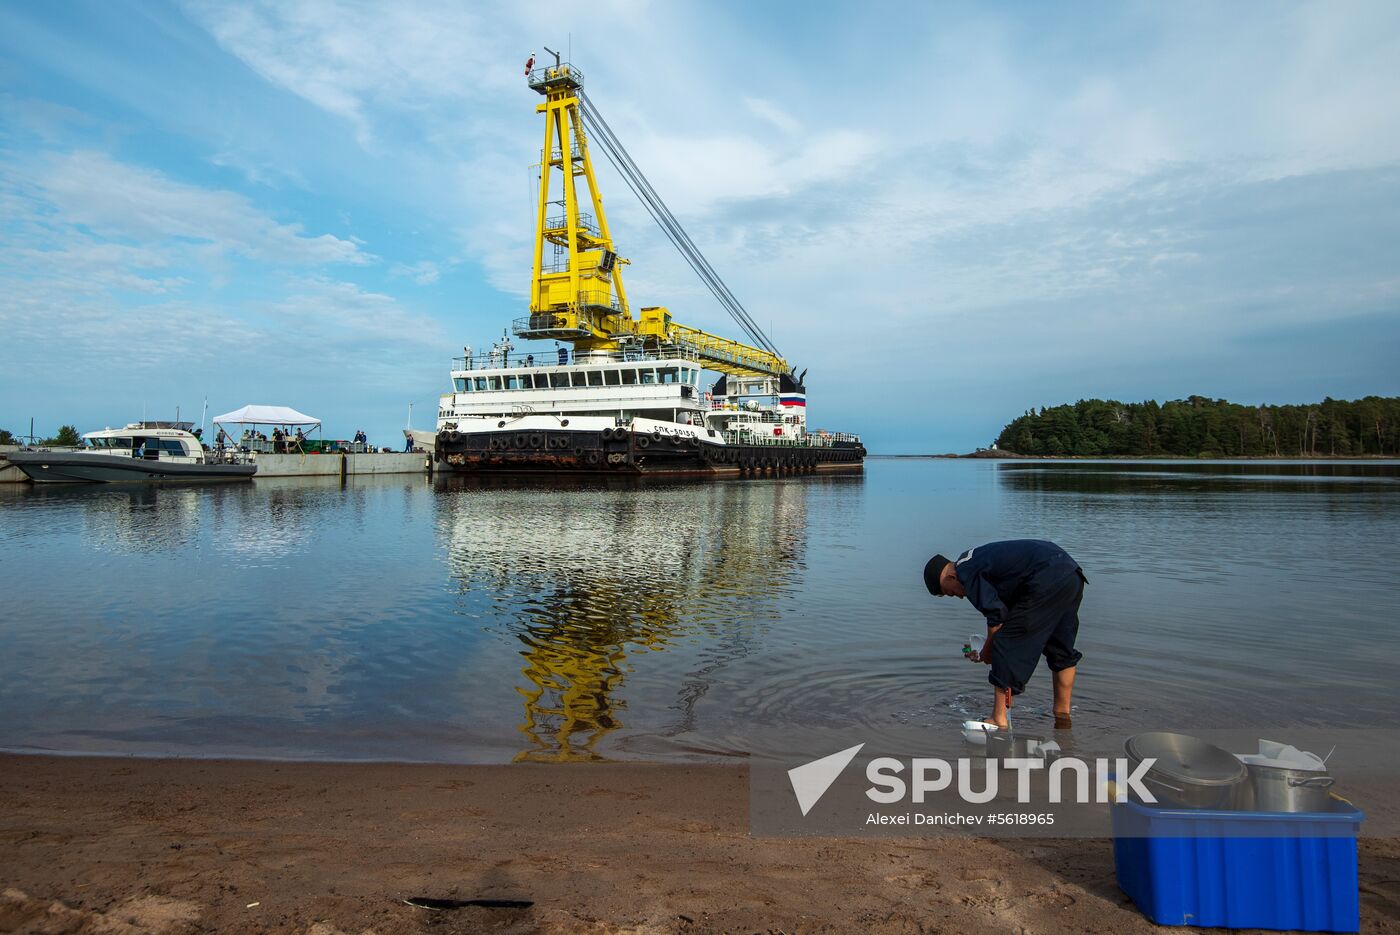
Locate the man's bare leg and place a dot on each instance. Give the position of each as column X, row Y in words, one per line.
column 999, row 717
column 1064, row 688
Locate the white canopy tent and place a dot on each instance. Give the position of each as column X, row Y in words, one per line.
column 265, row 415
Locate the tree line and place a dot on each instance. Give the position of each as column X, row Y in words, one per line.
column 67, row 437
column 1208, row 428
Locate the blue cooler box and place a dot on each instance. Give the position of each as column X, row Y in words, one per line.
column 1268, row 870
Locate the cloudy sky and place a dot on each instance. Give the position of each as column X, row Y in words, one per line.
column 949, row 212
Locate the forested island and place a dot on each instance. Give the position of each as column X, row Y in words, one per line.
column 1199, row 427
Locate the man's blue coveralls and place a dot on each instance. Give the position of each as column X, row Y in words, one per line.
column 1032, row 588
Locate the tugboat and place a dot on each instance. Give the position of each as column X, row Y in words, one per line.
column 618, row 393
column 142, row 451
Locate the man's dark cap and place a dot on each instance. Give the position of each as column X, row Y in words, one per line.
column 932, row 570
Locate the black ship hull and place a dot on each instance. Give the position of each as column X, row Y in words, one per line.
column 620, row 451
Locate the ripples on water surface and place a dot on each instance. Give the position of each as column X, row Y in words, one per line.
column 403, row 618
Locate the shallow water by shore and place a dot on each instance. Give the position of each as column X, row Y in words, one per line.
column 409, row 619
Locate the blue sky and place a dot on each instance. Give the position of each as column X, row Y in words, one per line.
column 948, row 212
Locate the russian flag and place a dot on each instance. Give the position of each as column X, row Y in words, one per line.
column 793, row 399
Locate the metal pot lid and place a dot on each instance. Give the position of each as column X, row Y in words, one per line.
column 1186, row 758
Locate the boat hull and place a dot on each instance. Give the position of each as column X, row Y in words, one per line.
column 65, row 467
column 619, row 451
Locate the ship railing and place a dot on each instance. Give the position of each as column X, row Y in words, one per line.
column 490, row 361
column 834, row 438
column 227, row 456
column 801, row 440
column 773, row 441
column 548, row 325
column 761, row 415
column 599, row 298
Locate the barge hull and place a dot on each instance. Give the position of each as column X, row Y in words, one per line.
column 620, row 452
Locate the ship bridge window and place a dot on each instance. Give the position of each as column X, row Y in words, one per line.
column 494, row 382
column 512, row 383
column 559, row 379
column 668, row 374
column 629, row 377
column 460, row 383
column 580, row 379
column 480, row 384
column 595, row 378
column 614, row 378
column 648, row 375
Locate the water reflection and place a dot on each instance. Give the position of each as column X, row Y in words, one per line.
column 589, row 578
column 1221, row 582
column 461, row 620
column 136, row 518
column 1194, row 476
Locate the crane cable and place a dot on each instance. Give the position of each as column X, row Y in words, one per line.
column 622, row 161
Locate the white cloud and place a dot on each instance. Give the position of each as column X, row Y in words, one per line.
column 344, row 56
column 330, row 314
column 424, row 272
column 115, row 199
column 770, row 113
column 258, row 170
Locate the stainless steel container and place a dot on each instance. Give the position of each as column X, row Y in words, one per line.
column 1279, row 789
column 1187, row 772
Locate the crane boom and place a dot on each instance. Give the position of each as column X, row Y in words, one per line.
column 578, row 294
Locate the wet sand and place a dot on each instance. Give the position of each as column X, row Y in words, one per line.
column 119, row 845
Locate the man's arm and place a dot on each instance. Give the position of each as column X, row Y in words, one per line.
column 985, row 598
column 986, row 654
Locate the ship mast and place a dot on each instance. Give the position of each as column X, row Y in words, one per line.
column 577, row 294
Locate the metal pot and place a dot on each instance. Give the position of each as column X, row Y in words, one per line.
column 1188, row 772
column 1279, row 789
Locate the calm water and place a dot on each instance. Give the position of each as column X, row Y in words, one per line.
column 403, row 618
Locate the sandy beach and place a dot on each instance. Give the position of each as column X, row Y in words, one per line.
column 122, row 845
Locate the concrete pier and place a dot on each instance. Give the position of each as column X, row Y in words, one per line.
column 9, row 474
column 332, row 465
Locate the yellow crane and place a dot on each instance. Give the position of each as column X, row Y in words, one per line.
column 577, row 294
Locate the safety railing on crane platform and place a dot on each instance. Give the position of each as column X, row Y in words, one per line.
column 586, row 222
column 557, row 152
column 565, row 74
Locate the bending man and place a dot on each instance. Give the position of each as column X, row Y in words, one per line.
column 1029, row 590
